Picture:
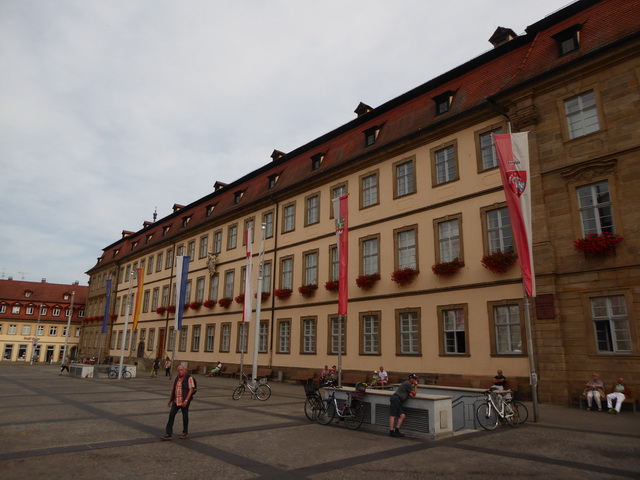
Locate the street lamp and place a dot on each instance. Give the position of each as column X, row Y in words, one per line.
column 66, row 337
column 36, row 338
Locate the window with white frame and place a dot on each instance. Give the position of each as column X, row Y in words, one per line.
column 286, row 278
column 25, row 330
column 232, row 237
column 155, row 298
column 183, row 339
column 3, row 309
column 337, row 191
column 499, row 233
column 159, row 262
column 200, row 289
column 596, row 212
column 165, row 296
column 39, row 330
column 369, row 190
column 408, row 332
column 454, row 335
column 267, row 219
column 370, row 330
column 582, row 114
column 229, row 280
column 308, row 335
column 191, row 249
column 217, row 241
column 370, row 255
column 337, row 337
column 211, row 330
column 449, row 240
column 284, row 336
column 404, row 178
column 15, row 310
column 195, row 339
column 289, row 218
column 406, row 249
column 611, row 324
column 311, row 268
column 145, row 301
column 312, row 212
column 266, row 277
column 53, row 330
column 213, row 295
column 263, row 337
column 172, row 339
column 152, row 337
column 29, row 310
column 488, row 154
column 169, row 262
column 204, row 246
column 13, row 329
column 334, row 265
column 446, row 169
column 508, row 332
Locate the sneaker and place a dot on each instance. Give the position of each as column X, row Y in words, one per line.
column 393, row 433
column 399, row 433
column 184, row 436
column 165, row 437
column 611, row 410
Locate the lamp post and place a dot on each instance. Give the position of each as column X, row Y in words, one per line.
column 36, row 338
column 66, row 337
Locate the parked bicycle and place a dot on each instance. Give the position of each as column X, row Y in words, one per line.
column 113, row 373
column 496, row 409
column 352, row 411
column 520, row 409
column 313, row 403
column 260, row 390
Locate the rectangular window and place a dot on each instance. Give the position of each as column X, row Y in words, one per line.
column 232, row 237
column 370, row 333
column 152, row 336
column 289, row 218
column 284, row 336
column 155, row 299
column 454, row 335
column 266, row 277
column 204, row 246
column 213, row 295
column 200, row 289
column 267, row 219
column 286, row 268
column 243, row 337
column 229, row 279
column 25, row 330
column 312, row 212
column 55, row 312
column 369, row 190
column 145, row 301
column 225, row 337
column 449, row 240
column 508, row 333
column 29, row 311
column 180, row 251
column 165, row 296
column 195, row 339
column 211, row 330
column 337, row 337
column 446, row 169
column 39, row 330
column 150, row 265
column 406, row 254
column 337, row 191
column 264, row 336
column 311, row 268
column 15, row 310
column 217, row 242
column 404, row 178
column 596, row 213
column 159, row 262
column 308, row 330
column 370, row 260
column 499, row 233
column 183, row 339
column 172, row 339
column 334, row 263
column 408, row 332
column 169, row 263
column 582, row 114
column 53, row 330
column 488, row 155
column 191, row 250
column 611, row 324
column 13, row 329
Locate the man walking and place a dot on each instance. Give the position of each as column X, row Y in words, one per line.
column 180, row 401
column 407, row 389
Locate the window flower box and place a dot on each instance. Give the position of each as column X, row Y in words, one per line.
column 283, row 293
column 404, row 276
column 263, row 296
column 209, row 303
column 598, row 245
column 308, row 290
column 195, row 305
column 171, row 309
column 446, row 269
column 224, row 302
column 113, row 317
column 499, row 261
column 332, row 285
column 240, row 299
column 161, row 310
column 365, row 282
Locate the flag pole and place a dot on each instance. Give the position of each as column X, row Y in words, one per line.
column 126, row 325
column 256, row 328
column 533, row 377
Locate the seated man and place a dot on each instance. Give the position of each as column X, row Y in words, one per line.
column 618, row 395
column 499, row 381
column 383, row 377
column 215, row 371
column 594, row 389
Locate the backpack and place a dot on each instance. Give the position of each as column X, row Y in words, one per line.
column 195, row 385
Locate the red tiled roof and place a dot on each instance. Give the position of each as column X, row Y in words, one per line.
column 12, row 291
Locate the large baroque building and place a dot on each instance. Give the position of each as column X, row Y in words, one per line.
column 423, row 190
column 38, row 319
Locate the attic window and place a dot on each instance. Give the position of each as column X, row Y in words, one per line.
column 209, row 210
column 149, row 237
column 27, row 293
column 134, row 245
column 371, row 135
column 185, row 221
column 443, row 102
column 165, row 230
column 568, row 40
column 237, row 196
column 273, row 179
column 66, row 296
column 316, row 161
column 116, row 252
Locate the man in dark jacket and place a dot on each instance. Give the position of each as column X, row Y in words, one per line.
column 407, row 389
column 180, row 401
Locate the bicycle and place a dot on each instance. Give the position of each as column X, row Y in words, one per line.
column 521, row 410
column 352, row 412
column 113, row 373
column 313, row 403
column 260, row 390
column 494, row 409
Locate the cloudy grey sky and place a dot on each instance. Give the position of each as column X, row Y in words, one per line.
column 111, row 108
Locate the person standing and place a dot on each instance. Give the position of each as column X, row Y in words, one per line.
column 180, row 401
column 618, row 395
column 167, row 367
column 408, row 388
column 594, row 389
column 65, row 365
column 155, row 367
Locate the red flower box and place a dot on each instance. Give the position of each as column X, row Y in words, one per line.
column 365, row 282
column 332, row 285
column 499, row 262
column 224, row 302
column 446, row 269
column 171, row 309
column 113, row 317
column 209, row 303
column 404, row 276
column 308, row 290
column 598, row 245
column 263, row 296
column 160, row 310
column 240, row 299
column 195, row 305
column 283, row 293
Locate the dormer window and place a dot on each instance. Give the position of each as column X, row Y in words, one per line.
column 209, row 210
column 134, row 245
column 443, row 102
column 568, row 40
column 371, row 135
column 237, row 196
column 316, row 161
column 185, row 221
column 149, row 237
column 27, row 293
column 273, row 179
column 116, row 252
column 165, row 231
column 66, row 296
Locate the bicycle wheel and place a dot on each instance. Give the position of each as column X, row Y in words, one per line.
column 263, row 392
column 511, row 415
column 238, row 392
column 126, row 374
column 354, row 416
column 311, row 406
column 487, row 416
column 326, row 413
column 113, row 374
column 523, row 412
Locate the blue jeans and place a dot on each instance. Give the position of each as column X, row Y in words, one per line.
column 172, row 417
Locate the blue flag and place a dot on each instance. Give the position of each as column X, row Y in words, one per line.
column 106, row 308
column 182, row 270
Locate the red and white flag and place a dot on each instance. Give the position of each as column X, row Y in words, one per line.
column 341, row 215
column 248, row 275
column 513, row 159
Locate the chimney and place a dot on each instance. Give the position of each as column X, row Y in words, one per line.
column 501, row 36
column 177, row 207
column 44, row 280
column 219, row 186
column 277, row 155
column 362, row 108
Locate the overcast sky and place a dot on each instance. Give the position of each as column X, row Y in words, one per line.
column 109, row 109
